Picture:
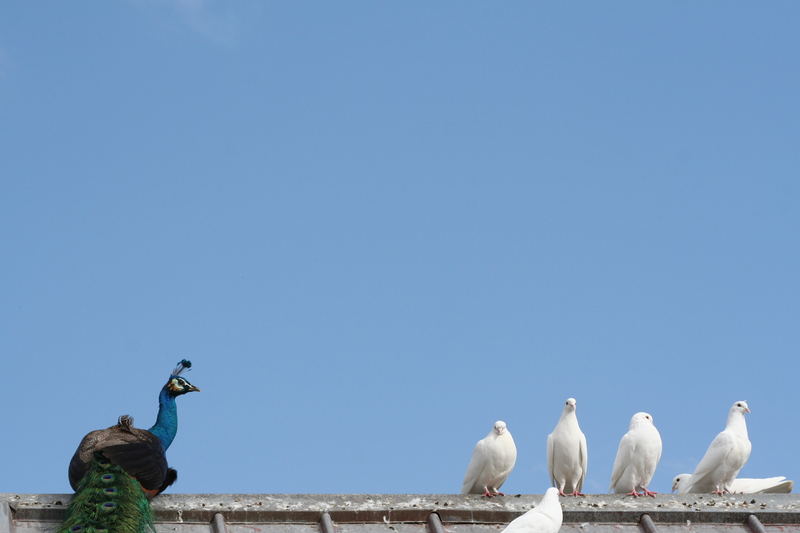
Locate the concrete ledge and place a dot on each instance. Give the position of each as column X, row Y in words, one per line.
column 416, row 508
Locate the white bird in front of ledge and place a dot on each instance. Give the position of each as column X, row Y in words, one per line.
column 637, row 457
column 544, row 518
column 744, row 485
column 492, row 461
column 567, row 453
column 724, row 458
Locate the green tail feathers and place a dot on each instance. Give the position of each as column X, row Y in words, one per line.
column 108, row 500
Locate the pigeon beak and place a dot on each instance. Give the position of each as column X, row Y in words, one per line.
column 746, row 409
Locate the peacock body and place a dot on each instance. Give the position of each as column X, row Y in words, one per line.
column 116, row 471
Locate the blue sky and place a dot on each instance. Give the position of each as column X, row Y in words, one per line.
column 377, row 227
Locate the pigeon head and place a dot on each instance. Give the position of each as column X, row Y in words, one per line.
column 641, row 418
column 551, row 492
column 499, row 427
column 677, row 480
column 551, row 507
column 570, row 404
column 741, row 407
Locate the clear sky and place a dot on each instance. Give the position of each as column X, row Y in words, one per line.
column 377, row 227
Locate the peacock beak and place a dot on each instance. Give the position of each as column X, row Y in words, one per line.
column 192, row 388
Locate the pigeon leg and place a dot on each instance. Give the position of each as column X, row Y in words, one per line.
column 649, row 493
column 486, row 493
column 562, row 493
column 633, row 493
column 576, row 493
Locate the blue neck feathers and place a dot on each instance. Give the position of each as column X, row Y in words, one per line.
column 166, row 425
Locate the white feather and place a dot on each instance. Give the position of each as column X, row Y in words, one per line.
column 637, row 456
column 544, row 518
column 492, row 461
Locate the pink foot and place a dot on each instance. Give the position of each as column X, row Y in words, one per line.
column 649, row 493
column 487, row 494
column 498, row 493
column 576, row 493
column 561, row 493
column 633, row 493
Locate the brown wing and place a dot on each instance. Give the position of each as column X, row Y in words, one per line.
column 138, row 451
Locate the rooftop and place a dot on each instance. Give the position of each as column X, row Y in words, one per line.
column 428, row 513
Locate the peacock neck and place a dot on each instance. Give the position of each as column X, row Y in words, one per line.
column 166, row 425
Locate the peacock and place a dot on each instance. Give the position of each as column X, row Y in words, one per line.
column 116, row 471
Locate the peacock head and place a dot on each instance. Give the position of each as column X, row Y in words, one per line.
column 177, row 385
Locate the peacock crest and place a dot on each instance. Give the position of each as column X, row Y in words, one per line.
column 183, row 366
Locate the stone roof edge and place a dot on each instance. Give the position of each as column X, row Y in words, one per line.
column 451, row 508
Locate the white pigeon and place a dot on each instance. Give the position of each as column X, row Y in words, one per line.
column 492, row 461
column 744, row 485
column 544, row 518
column 567, row 455
column 726, row 455
column 637, row 457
